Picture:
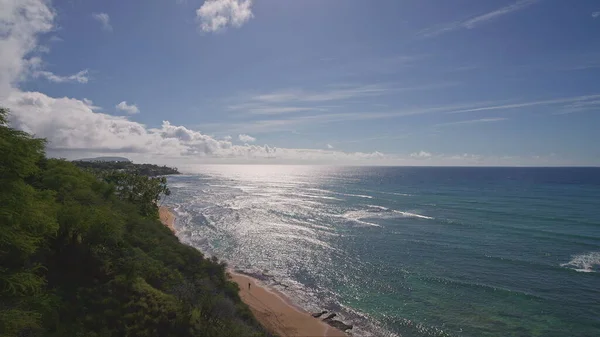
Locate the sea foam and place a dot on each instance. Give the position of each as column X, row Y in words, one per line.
column 585, row 263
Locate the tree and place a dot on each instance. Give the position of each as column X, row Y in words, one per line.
column 27, row 217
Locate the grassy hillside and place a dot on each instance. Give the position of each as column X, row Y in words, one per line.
column 83, row 254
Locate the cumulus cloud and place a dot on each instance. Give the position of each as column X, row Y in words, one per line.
column 246, row 138
column 90, row 104
column 127, row 108
column 215, row 15
column 71, row 125
column 20, row 24
column 421, row 154
column 74, row 130
column 104, row 20
column 80, row 77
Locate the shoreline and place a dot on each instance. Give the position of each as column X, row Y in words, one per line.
column 275, row 311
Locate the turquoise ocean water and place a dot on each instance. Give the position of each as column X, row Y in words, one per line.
column 409, row 251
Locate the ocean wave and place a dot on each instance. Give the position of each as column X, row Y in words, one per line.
column 585, row 263
column 318, row 196
column 404, row 214
column 358, row 216
column 357, row 195
column 320, row 190
column 399, row 194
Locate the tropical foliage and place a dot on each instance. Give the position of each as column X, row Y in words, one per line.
column 126, row 166
column 83, row 254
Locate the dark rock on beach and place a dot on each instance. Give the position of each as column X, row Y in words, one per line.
column 339, row 325
column 334, row 323
column 319, row 314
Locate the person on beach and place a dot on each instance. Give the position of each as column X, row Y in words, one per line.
column 248, row 285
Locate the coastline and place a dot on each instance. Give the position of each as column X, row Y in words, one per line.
column 271, row 308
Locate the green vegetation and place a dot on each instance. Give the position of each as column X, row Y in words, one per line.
column 83, row 254
column 126, row 166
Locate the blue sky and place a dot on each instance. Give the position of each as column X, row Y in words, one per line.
column 398, row 82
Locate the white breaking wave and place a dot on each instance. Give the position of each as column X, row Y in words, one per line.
column 357, row 195
column 318, row 196
column 358, row 216
column 406, row 214
column 413, row 215
column 585, row 263
column 379, row 207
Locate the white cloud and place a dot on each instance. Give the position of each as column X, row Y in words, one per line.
column 300, row 101
column 227, row 138
column 80, row 77
column 127, row 108
column 521, row 4
column 74, row 130
column 90, row 104
column 42, row 49
column 554, row 101
column 421, row 154
column 20, row 23
column 246, row 138
column 104, row 20
column 476, row 20
column 71, row 126
column 215, row 15
column 329, row 146
column 596, row 15
column 265, row 109
column 333, row 94
column 474, row 121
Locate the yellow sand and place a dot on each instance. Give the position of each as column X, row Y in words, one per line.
column 167, row 218
column 271, row 308
column 274, row 311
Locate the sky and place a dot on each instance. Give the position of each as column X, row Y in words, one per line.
column 346, row 82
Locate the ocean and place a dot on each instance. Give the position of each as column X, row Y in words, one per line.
column 409, row 251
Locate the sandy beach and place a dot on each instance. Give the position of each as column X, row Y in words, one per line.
column 167, row 218
column 275, row 312
column 271, row 308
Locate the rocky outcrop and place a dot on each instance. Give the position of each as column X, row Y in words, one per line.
column 334, row 323
column 319, row 314
column 339, row 325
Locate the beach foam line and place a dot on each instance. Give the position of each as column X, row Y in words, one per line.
column 277, row 313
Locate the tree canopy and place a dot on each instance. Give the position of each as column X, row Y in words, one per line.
column 127, row 167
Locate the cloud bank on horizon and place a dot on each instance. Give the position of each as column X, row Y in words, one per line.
column 297, row 116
